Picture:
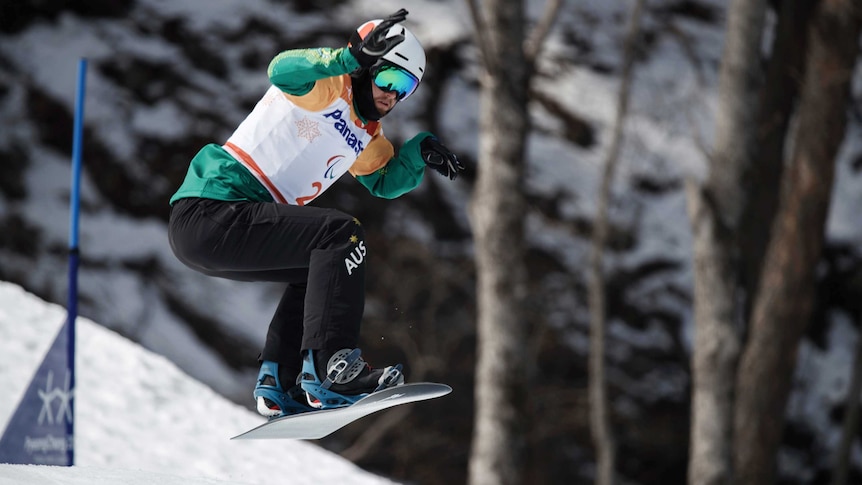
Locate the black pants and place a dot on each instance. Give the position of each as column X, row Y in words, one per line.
column 319, row 253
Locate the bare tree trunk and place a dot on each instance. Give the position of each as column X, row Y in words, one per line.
column 600, row 421
column 499, row 438
column 716, row 348
column 778, row 98
column 715, row 210
column 786, row 293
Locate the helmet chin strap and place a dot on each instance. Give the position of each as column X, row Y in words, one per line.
column 363, row 98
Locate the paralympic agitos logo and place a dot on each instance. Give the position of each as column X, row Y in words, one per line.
column 341, row 126
column 330, row 166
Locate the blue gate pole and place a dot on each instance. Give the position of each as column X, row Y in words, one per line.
column 77, row 149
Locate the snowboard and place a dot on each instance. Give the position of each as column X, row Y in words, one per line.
column 318, row 424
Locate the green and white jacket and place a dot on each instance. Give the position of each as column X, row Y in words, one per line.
column 301, row 137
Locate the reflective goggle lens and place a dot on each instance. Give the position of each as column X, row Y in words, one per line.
column 393, row 78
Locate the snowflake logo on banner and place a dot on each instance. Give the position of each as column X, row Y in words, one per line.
column 308, row 129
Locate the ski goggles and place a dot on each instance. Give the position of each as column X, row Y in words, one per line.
column 390, row 77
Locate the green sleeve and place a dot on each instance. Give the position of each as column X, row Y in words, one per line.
column 295, row 71
column 402, row 174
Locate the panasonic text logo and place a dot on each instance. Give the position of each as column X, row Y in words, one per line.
column 341, row 126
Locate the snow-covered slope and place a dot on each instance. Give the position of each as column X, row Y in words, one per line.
column 139, row 419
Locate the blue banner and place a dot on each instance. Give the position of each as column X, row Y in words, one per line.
column 39, row 431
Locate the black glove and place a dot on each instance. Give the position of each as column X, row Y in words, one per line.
column 440, row 158
column 375, row 45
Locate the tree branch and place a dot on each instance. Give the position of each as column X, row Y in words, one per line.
column 482, row 40
column 536, row 40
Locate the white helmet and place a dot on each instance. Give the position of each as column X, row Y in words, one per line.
column 408, row 55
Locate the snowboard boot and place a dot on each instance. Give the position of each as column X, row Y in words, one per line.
column 339, row 379
column 272, row 399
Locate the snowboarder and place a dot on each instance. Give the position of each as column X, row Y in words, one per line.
column 242, row 211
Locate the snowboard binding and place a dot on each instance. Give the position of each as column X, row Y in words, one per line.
column 348, row 378
column 272, row 399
